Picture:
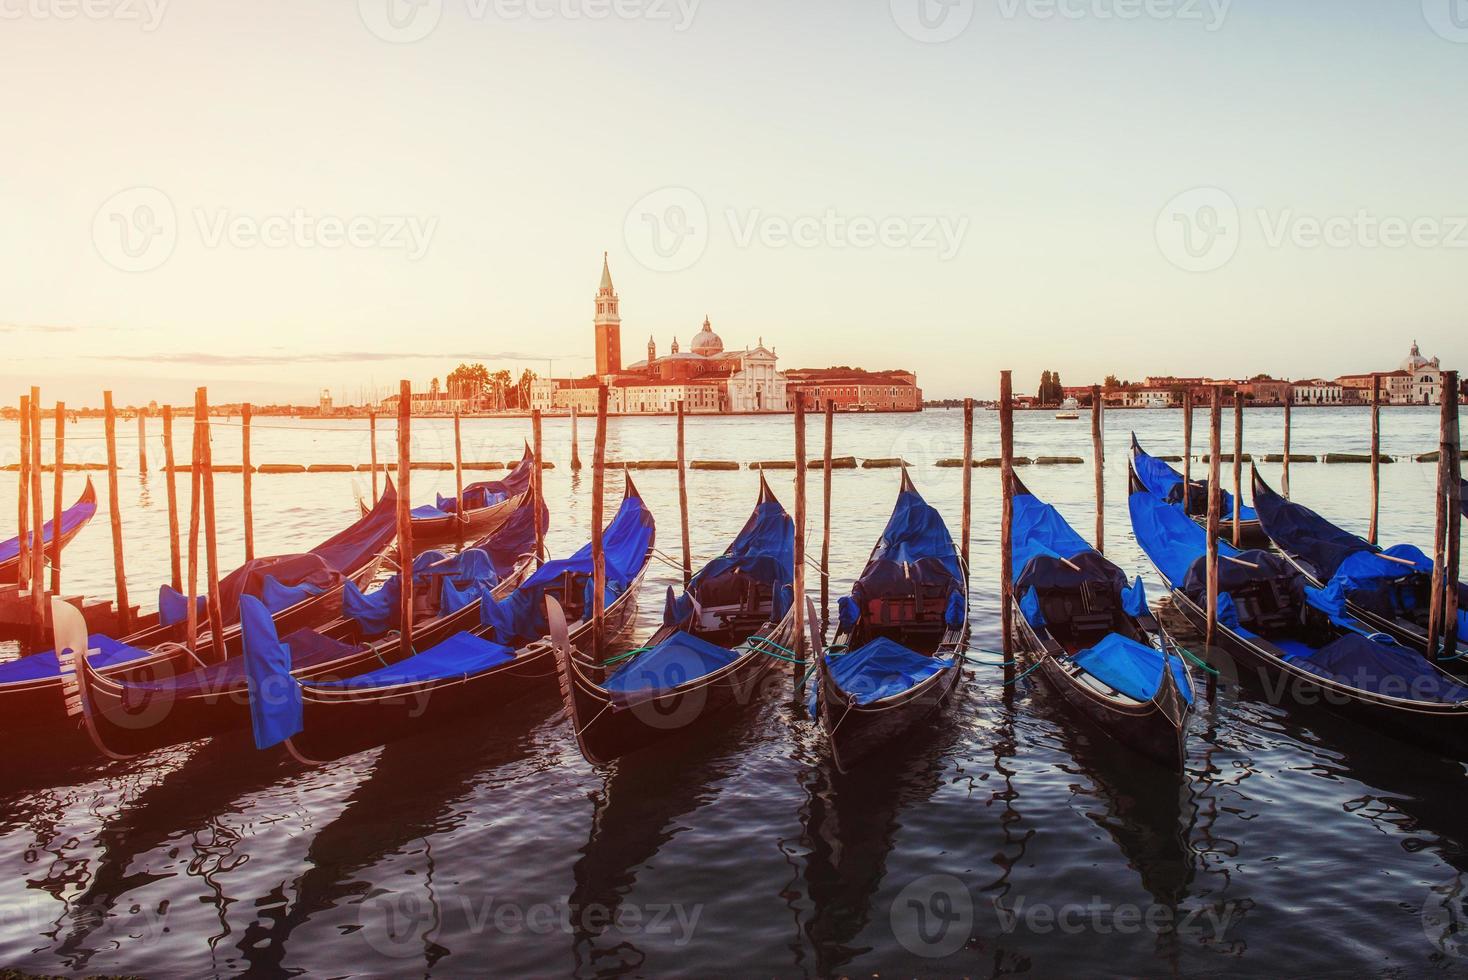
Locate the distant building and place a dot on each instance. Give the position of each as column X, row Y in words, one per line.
column 1417, row 381
column 608, row 325
column 855, row 390
column 1318, row 393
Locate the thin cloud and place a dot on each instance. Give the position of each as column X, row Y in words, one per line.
column 37, row 328
column 333, row 357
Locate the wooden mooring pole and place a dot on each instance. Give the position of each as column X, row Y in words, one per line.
column 38, row 524
column 683, row 500
column 1454, row 543
column 538, row 484
column 142, row 442
column 114, row 507
column 171, row 484
column 1188, row 452
column 1006, row 521
column 405, row 518
column 372, row 437
column 459, row 472
column 1372, row 533
column 211, row 526
column 1098, row 452
column 968, row 481
column 826, row 518
column 23, row 519
column 1215, row 506
column 1284, row 484
column 1238, row 468
column 248, row 484
column 575, row 448
column 196, row 511
column 798, row 646
column 598, row 557
column 1437, row 626
column 58, row 500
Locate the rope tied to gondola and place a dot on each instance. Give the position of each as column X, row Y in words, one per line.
column 625, row 656
column 767, row 641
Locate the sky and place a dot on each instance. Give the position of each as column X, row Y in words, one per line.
column 274, row 197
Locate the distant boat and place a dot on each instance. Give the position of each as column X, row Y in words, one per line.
column 1070, row 416
column 1069, row 409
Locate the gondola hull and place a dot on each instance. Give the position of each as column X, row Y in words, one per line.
column 857, row 731
column 1156, row 729
column 477, row 522
column 609, row 729
column 10, row 567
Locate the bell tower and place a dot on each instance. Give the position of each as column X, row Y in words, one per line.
column 608, row 325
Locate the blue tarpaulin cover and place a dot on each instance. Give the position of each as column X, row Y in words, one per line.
column 677, row 660
column 485, row 493
column 350, row 550
column 1172, row 539
column 72, row 518
column 1165, row 483
column 1041, row 532
column 36, row 666
column 764, row 550
column 914, row 552
column 881, row 669
column 1384, row 669
column 1133, row 668
column 461, row 655
column 514, row 538
column 519, row 618
column 465, row 576
column 275, row 696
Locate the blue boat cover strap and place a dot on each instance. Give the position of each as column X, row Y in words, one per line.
column 275, row 696
column 675, row 661
column 40, row 666
column 881, row 669
column 461, row 656
column 1134, row 669
column 1381, row 668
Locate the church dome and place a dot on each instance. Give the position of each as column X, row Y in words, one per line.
column 1416, row 362
column 706, row 342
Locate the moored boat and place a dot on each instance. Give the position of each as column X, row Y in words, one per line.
column 1273, row 635
column 714, row 650
column 1159, row 478
column 504, row 656
column 898, row 649
column 1092, row 638
column 1386, row 590
column 480, row 509
column 73, row 519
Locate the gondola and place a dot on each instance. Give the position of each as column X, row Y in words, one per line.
column 480, row 509
column 1092, row 637
column 1386, row 590
column 73, row 519
column 302, row 590
column 898, row 649
column 1165, row 483
column 505, row 656
column 1273, row 635
column 717, row 644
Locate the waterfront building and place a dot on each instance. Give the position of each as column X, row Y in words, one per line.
column 1318, row 392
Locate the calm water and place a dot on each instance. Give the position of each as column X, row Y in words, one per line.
column 1008, row 839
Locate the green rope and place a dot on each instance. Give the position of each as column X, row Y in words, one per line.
column 1187, row 653
column 625, row 656
column 1027, row 673
column 770, row 642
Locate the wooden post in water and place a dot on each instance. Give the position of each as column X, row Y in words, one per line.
column 1215, row 506
column 1289, row 403
column 1098, row 450
column 538, row 484
column 826, row 517
column 1188, row 452
column 683, row 500
column 1441, row 584
column 38, row 523
column 196, row 483
column 142, row 442
column 405, row 517
column 114, row 507
column 1238, row 468
column 459, row 471
column 798, row 646
column 598, row 558
column 211, row 527
column 575, row 448
column 1454, row 538
column 968, row 480
column 171, row 484
column 248, row 486
column 23, row 520
column 58, row 502
column 372, row 436
column 1006, row 521
column 1371, row 534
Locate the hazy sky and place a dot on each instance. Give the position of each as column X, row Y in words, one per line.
column 272, row 197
